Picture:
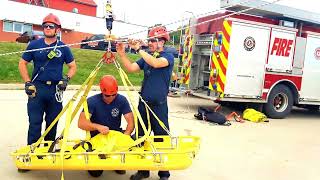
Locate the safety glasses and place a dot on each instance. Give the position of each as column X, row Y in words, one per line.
column 152, row 40
column 105, row 95
column 48, row 26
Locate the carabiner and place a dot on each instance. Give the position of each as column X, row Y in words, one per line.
column 108, row 57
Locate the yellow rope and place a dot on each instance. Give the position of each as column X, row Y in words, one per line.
column 124, row 79
column 87, row 115
column 75, row 96
column 146, row 105
column 85, row 88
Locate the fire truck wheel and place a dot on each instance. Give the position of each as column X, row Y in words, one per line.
column 279, row 103
column 95, row 173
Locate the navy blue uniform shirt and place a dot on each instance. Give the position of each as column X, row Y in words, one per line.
column 107, row 114
column 53, row 70
column 155, row 86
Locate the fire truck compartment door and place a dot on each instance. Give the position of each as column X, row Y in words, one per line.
column 281, row 50
column 310, row 86
column 247, row 57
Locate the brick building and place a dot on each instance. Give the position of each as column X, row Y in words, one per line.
column 78, row 18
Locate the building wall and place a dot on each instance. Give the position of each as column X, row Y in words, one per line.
column 68, row 37
column 75, row 26
column 70, row 21
column 7, row 36
column 88, row 8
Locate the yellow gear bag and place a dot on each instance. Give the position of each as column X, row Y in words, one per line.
column 254, row 116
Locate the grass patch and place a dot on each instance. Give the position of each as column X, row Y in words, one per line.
column 86, row 60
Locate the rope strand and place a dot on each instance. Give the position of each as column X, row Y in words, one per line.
column 175, row 22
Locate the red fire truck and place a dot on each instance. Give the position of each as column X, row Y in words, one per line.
column 268, row 56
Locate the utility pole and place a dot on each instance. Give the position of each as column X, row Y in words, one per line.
column 173, row 40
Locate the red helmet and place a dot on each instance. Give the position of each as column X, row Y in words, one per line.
column 51, row 18
column 159, row 32
column 108, row 85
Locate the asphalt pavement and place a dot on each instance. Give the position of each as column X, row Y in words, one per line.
column 283, row 149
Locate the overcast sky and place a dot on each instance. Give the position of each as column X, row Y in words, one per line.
column 150, row 12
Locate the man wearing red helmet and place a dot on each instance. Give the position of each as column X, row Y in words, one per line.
column 47, row 78
column 157, row 69
column 106, row 110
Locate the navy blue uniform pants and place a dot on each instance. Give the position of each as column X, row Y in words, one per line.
column 44, row 103
column 161, row 110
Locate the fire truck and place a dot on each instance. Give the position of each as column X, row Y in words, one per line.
column 268, row 56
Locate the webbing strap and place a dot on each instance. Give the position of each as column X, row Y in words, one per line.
column 87, row 115
column 86, row 86
column 71, row 114
column 125, row 79
column 75, row 96
column 65, row 135
column 146, row 136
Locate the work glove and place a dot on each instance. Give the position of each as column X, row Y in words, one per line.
column 63, row 83
column 30, row 89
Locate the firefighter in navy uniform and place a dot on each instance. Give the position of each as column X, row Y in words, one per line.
column 48, row 82
column 157, row 69
column 106, row 110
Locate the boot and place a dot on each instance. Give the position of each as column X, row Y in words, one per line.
column 139, row 175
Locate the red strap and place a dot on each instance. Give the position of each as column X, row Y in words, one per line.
column 217, row 108
column 235, row 116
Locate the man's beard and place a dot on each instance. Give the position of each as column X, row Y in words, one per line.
column 52, row 36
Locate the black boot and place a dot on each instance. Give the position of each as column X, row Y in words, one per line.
column 164, row 178
column 140, row 175
column 95, row 173
column 120, row 171
column 23, row 170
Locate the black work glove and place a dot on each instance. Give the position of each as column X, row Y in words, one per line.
column 30, row 89
column 63, row 83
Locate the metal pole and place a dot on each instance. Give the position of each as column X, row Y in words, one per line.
column 173, row 40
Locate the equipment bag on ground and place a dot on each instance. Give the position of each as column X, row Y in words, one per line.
column 211, row 116
column 254, row 116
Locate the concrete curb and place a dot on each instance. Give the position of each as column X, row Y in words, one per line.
column 70, row 87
